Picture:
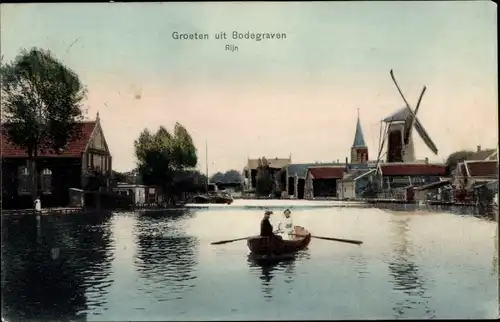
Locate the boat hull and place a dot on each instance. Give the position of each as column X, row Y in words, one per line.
column 275, row 246
column 203, row 199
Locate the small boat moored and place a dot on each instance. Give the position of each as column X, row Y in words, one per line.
column 268, row 246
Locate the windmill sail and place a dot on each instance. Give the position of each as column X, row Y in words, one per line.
column 410, row 121
column 413, row 119
column 425, row 136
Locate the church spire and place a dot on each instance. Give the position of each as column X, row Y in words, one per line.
column 359, row 139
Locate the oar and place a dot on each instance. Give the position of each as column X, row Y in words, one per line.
column 228, row 241
column 350, row 241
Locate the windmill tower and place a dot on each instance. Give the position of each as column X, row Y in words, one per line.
column 359, row 150
column 398, row 132
column 397, row 149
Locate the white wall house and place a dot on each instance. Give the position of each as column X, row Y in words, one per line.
column 137, row 191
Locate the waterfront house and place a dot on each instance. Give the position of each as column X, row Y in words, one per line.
column 396, row 177
column 356, row 182
column 483, row 155
column 439, row 190
column 85, row 164
column 321, row 182
column 139, row 194
column 470, row 174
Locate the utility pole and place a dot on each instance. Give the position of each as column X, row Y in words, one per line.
column 206, row 164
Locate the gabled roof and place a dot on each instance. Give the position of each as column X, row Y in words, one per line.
column 481, row 169
column 482, row 155
column 300, row 170
column 412, row 169
column 74, row 149
column 276, row 163
column 359, row 139
column 326, row 172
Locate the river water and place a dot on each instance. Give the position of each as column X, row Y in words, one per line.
column 414, row 263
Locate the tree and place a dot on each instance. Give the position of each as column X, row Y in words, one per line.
column 231, row 176
column 183, row 149
column 118, row 176
column 41, row 105
column 154, row 155
column 161, row 157
column 264, row 179
column 130, row 177
column 218, row 177
column 455, row 158
column 190, row 181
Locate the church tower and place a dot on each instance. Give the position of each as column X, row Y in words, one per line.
column 359, row 150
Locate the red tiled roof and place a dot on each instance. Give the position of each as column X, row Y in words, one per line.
column 327, row 172
column 487, row 169
column 413, row 169
column 74, row 148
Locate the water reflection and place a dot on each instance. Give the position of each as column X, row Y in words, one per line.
column 495, row 253
column 485, row 212
column 267, row 269
column 405, row 274
column 55, row 268
column 166, row 257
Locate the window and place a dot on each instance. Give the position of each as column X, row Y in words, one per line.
column 23, row 180
column 103, row 163
column 46, row 181
column 96, row 161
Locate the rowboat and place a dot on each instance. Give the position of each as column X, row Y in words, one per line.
column 214, row 198
column 269, row 246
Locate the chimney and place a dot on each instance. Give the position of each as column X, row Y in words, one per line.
column 426, row 160
column 346, row 160
column 478, row 148
column 338, row 161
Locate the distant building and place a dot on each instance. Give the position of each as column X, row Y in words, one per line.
column 296, row 176
column 85, row 163
column 356, row 182
column 470, row 173
column 321, row 182
column 395, row 178
column 250, row 170
column 483, row 154
column 140, row 194
column 359, row 150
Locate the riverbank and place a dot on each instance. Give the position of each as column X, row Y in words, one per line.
column 79, row 210
column 44, row 211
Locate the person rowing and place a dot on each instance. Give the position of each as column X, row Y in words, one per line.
column 285, row 227
column 266, row 228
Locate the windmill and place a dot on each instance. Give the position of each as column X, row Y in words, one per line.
column 398, row 132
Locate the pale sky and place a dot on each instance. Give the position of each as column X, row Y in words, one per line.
column 273, row 98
